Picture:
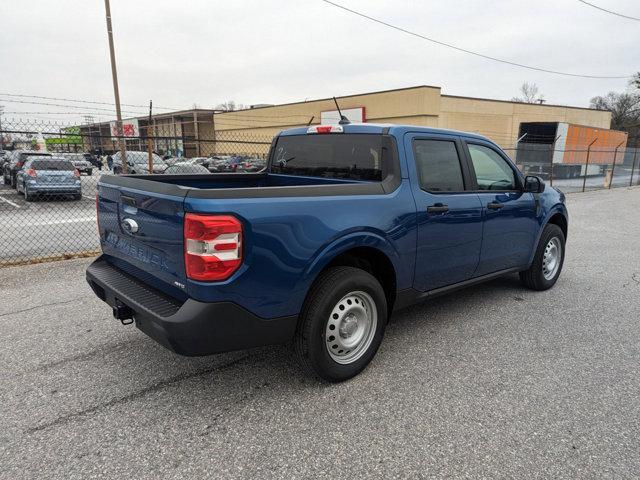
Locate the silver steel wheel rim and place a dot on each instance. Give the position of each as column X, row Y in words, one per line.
column 351, row 327
column 551, row 258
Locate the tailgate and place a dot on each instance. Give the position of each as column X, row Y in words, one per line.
column 143, row 229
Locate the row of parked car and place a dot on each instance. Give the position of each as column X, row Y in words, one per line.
column 138, row 163
column 35, row 173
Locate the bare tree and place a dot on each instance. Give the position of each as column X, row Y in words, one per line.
column 530, row 94
column 229, row 106
column 624, row 108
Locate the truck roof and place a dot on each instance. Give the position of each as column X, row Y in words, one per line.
column 393, row 129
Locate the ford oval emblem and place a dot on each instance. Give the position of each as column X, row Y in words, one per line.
column 129, row 225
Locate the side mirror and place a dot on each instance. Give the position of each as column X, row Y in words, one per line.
column 533, row 184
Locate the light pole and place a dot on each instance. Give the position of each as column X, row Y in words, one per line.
column 116, row 90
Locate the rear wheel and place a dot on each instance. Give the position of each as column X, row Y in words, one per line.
column 90, row 172
column 548, row 260
column 342, row 323
column 28, row 196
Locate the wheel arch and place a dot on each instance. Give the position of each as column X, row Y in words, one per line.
column 371, row 253
column 560, row 219
column 556, row 216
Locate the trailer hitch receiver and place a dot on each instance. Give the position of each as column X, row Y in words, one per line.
column 123, row 313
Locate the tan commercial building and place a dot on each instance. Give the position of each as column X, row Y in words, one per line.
column 422, row 105
column 202, row 132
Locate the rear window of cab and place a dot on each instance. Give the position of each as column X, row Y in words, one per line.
column 343, row 156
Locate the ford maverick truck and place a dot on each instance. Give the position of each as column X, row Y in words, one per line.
column 346, row 224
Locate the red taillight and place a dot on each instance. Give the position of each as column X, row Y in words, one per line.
column 31, row 172
column 76, row 173
column 212, row 246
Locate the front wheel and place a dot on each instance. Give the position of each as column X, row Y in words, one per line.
column 548, row 260
column 342, row 323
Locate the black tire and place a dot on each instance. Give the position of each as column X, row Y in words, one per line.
column 90, row 172
column 28, row 197
column 311, row 341
column 534, row 277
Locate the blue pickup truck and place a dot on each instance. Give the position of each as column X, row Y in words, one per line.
column 347, row 224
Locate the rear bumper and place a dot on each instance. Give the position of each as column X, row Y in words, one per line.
column 191, row 328
column 44, row 189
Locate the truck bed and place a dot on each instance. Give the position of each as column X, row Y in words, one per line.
column 248, row 185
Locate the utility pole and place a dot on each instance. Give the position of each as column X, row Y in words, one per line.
column 2, row 134
column 149, row 141
column 116, row 90
column 89, row 121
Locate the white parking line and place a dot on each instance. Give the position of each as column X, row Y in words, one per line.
column 58, row 222
column 89, row 198
column 10, row 202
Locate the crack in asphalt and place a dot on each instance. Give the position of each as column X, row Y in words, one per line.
column 135, row 395
column 40, row 306
column 82, row 356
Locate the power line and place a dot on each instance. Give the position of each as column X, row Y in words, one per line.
column 58, row 113
column 610, row 11
column 464, row 50
column 66, row 106
column 78, row 101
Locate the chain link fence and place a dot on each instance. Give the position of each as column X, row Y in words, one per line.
column 580, row 169
column 47, row 207
column 50, row 173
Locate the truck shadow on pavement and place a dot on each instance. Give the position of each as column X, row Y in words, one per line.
column 229, row 380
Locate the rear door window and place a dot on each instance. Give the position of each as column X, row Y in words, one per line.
column 346, row 156
column 438, row 166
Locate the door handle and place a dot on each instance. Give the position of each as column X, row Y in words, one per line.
column 438, row 208
column 495, row 205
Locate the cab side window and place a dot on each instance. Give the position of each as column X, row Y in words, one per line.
column 438, row 166
column 492, row 171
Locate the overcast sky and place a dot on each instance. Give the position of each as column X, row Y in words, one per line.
column 274, row 51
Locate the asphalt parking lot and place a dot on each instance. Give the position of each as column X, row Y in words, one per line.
column 494, row 381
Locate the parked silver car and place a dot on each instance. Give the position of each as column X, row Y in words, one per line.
column 79, row 161
column 186, row 168
column 138, row 163
column 52, row 175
